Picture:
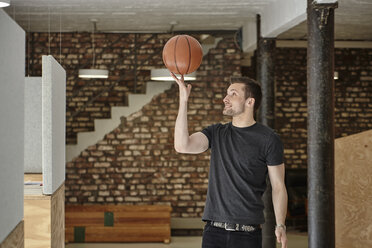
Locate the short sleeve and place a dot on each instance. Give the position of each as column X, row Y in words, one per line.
column 274, row 152
column 208, row 131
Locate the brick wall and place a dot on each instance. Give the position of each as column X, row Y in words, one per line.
column 89, row 99
column 136, row 163
column 291, row 107
column 353, row 98
column 353, row 93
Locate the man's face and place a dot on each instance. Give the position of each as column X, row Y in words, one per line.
column 234, row 100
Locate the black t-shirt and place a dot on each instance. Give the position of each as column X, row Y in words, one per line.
column 238, row 170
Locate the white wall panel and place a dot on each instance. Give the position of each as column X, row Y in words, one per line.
column 53, row 124
column 12, row 76
column 33, row 121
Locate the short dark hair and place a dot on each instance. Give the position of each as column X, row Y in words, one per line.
column 252, row 89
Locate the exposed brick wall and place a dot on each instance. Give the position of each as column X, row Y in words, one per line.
column 291, row 106
column 353, row 98
column 137, row 163
column 353, row 113
column 115, row 52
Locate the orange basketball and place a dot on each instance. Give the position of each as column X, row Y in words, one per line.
column 182, row 54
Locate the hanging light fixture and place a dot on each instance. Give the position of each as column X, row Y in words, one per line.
column 93, row 73
column 164, row 75
column 4, row 3
column 335, row 75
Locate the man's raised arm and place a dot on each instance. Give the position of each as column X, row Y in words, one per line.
column 183, row 142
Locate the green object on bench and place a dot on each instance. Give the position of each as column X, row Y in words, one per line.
column 109, row 219
column 79, row 234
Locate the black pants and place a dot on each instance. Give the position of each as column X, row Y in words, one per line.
column 214, row 237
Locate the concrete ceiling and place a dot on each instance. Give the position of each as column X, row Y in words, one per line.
column 353, row 21
column 353, row 17
column 134, row 15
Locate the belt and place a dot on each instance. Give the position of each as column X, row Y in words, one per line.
column 235, row 227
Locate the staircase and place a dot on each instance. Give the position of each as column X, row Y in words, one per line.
column 104, row 126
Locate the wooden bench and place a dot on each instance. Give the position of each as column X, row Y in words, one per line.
column 118, row 223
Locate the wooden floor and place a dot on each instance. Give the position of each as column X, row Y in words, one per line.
column 296, row 240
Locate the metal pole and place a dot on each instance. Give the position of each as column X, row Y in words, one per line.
column 266, row 77
column 135, row 63
column 320, row 101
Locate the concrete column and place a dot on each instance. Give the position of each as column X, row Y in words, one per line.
column 266, row 77
column 320, row 100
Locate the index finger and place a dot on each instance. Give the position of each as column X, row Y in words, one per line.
column 174, row 76
column 180, row 81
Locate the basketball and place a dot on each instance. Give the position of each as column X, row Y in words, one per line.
column 182, row 54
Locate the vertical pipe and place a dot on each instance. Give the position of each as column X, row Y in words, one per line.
column 266, row 77
column 320, row 101
column 31, row 52
column 135, row 63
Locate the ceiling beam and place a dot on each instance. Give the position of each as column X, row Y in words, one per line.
column 276, row 18
column 249, row 36
column 281, row 16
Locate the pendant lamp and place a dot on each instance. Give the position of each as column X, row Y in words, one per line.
column 164, row 75
column 4, row 3
column 93, row 72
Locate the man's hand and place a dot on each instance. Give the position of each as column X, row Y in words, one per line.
column 281, row 236
column 184, row 90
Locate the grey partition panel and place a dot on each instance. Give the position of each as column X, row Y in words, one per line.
column 12, row 76
column 53, row 124
column 33, row 123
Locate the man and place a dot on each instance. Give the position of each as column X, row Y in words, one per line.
column 242, row 153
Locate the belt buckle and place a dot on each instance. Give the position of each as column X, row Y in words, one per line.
column 229, row 229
